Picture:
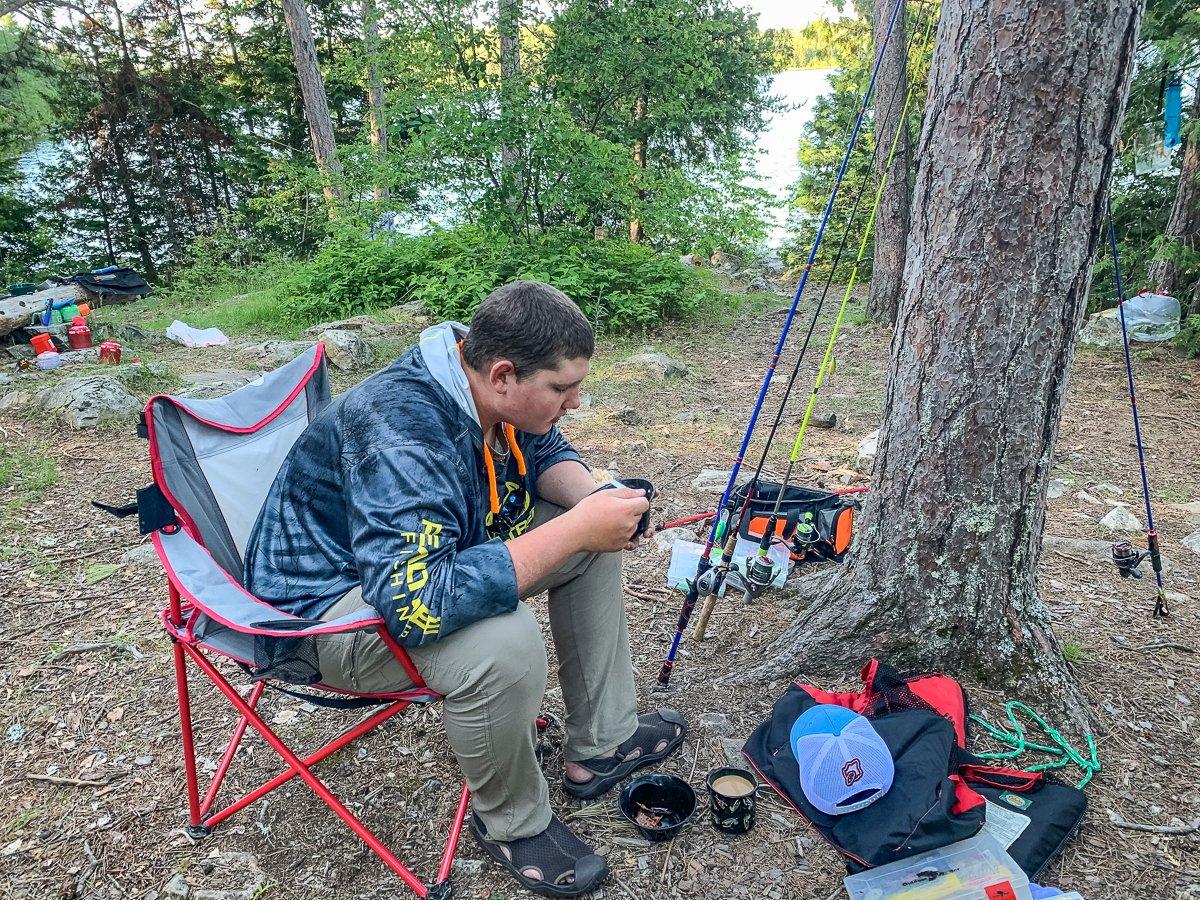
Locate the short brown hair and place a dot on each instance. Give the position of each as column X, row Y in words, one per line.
column 531, row 324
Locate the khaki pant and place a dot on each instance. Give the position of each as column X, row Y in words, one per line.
column 493, row 677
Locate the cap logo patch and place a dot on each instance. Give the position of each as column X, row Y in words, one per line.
column 852, row 771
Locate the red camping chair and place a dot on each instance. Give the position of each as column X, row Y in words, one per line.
column 213, row 462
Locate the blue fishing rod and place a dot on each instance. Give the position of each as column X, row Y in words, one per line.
column 708, row 578
column 1126, row 557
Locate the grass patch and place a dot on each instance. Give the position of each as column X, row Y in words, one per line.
column 1172, row 494
column 151, row 377
column 1073, row 652
column 238, row 300
column 29, row 471
column 26, row 473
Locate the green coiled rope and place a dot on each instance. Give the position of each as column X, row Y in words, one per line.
column 1061, row 750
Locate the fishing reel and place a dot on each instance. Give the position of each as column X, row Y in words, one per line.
column 1127, row 558
column 760, row 572
column 709, row 582
column 757, row 577
column 805, row 535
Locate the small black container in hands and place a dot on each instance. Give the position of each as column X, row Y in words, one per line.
column 658, row 805
column 638, row 484
column 732, row 799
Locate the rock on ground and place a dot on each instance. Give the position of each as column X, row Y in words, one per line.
column 1192, row 542
column 716, row 724
column 1102, row 331
column 867, row 448
column 726, row 262
column 139, row 556
column 209, row 385
column 1121, row 519
column 274, row 353
column 346, row 350
column 20, row 351
column 354, row 323
column 656, row 365
column 1057, row 488
column 712, row 480
column 366, row 326
column 1191, row 510
column 126, row 334
column 665, row 540
column 87, row 402
column 86, row 355
column 236, row 876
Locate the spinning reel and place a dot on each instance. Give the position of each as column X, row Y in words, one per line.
column 1127, row 558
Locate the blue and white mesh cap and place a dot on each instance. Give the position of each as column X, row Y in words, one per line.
column 844, row 764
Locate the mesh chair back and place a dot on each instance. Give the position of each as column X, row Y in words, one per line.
column 215, row 460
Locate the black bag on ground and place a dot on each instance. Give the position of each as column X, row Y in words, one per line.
column 817, row 525
column 940, row 793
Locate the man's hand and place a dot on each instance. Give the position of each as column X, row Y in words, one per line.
column 649, row 532
column 606, row 520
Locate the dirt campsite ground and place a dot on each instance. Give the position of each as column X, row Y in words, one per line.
column 91, row 789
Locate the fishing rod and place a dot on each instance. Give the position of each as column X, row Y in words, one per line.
column 760, row 570
column 722, row 521
column 1126, row 557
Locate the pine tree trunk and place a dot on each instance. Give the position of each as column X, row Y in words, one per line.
column 1183, row 227
column 1025, row 103
column 108, row 135
column 512, row 96
column 154, row 135
column 379, row 137
column 316, row 103
column 891, row 223
column 636, row 233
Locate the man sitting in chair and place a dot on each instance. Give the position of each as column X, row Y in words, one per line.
column 440, row 492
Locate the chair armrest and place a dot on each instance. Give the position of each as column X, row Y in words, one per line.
column 209, row 588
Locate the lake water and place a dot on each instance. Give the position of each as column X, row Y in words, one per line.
column 777, row 167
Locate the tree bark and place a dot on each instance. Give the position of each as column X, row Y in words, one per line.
column 108, row 132
column 512, row 96
column 892, row 221
column 1019, row 139
column 1183, row 228
column 379, row 138
column 316, row 102
column 154, row 133
column 636, row 233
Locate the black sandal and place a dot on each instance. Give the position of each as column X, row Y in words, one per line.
column 566, row 866
column 636, row 753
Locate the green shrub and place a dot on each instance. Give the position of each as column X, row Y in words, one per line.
column 618, row 284
column 1188, row 339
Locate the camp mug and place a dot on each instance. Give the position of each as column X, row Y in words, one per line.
column 638, row 484
column 732, row 799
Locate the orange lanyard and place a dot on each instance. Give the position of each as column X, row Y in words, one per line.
column 510, row 435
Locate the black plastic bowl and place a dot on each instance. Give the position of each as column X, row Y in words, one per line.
column 638, row 484
column 659, row 792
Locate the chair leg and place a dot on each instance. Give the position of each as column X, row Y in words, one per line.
column 296, row 764
column 443, row 876
column 196, row 829
column 227, row 757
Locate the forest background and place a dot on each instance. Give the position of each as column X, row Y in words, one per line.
column 589, row 143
